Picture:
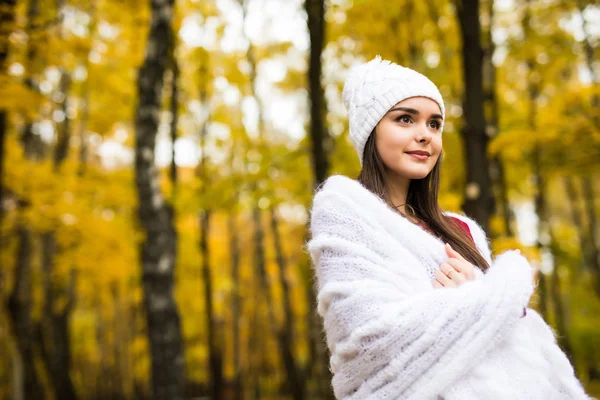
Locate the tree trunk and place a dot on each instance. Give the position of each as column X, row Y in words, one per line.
column 83, row 134
column 53, row 333
column 447, row 53
column 577, row 220
column 479, row 199
column 214, row 348
column 294, row 383
column 540, row 206
column 318, row 358
column 589, row 60
column 20, row 300
column 17, row 374
column 27, row 136
column 33, row 145
column 538, row 178
column 64, row 133
column 3, row 128
column 415, row 59
column 321, row 145
column 215, row 345
column 174, row 116
column 558, row 308
column 560, row 314
column 105, row 378
column 159, row 248
column 255, row 354
column 590, row 211
column 235, row 254
column 19, row 308
column 497, row 174
column 294, row 379
column 543, row 227
column 117, row 323
column 7, row 19
column 315, row 10
column 286, row 332
column 588, row 193
column 6, row 347
column 85, row 95
column 54, row 329
column 263, row 292
column 234, row 251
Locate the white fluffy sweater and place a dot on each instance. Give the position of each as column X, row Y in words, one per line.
column 392, row 335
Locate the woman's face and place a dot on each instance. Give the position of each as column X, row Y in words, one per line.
column 411, row 125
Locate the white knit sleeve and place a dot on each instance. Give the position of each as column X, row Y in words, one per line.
column 390, row 333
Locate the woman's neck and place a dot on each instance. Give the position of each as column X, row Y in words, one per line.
column 397, row 191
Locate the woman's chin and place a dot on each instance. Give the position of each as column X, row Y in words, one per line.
column 413, row 172
column 420, row 176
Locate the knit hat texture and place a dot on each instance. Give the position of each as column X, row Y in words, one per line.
column 373, row 88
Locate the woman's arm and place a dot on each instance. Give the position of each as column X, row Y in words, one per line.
column 482, row 243
column 389, row 332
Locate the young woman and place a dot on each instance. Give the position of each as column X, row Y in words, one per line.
column 413, row 305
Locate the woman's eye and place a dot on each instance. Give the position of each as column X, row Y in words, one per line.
column 403, row 118
column 435, row 124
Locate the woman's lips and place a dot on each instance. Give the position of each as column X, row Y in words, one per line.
column 421, row 157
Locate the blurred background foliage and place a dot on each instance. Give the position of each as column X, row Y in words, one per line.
column 158, row 160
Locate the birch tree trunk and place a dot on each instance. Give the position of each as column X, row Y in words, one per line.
column 159, row 247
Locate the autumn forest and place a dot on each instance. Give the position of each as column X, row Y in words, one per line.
column 158, row 160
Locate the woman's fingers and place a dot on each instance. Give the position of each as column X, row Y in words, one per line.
column 446, row 268
column 436, row 284
column 444, row 279
column 457, row 277
column 453, row 273
column 453, row 253
column 464, row 267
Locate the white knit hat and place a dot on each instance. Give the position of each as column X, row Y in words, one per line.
column 373, row 88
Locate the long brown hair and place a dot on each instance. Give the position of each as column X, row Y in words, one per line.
column 421, row 202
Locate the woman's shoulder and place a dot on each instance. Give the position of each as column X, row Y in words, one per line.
column 333, row 189
column 338, row 183
column 345, row 190
column 331, row 199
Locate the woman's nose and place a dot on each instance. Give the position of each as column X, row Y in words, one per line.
column 424, row 134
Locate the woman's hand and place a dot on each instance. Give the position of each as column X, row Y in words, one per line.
column 453, row 272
